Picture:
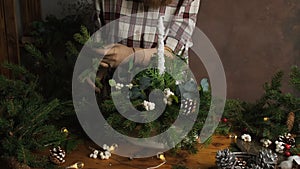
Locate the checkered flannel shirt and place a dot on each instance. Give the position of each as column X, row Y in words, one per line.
column 139, row 28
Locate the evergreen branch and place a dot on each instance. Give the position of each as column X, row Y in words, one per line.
column 18, row 71
column 295, row 77
column 83, row 36
column 71, row 49
column 275, row 82
column 35, row 52
column 44, row 110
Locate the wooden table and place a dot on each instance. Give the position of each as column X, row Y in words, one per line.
column 205, row 158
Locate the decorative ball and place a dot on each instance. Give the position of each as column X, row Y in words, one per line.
column 64, row 130
column 224, row 120
column 287, row 153
column 287, row 146
column 234, row 136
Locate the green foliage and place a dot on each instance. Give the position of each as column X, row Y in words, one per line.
column 295, row 150
column 83, row 36
column 25, row 118
column 54, row 66
column 53, row 53
column 295, row 77
column 267, row 117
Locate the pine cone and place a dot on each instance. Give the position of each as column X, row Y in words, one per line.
column 267, row 159
column 188, row 106
column 290, row 121
column 287, row 139
column 57, row 155
column 225, row 159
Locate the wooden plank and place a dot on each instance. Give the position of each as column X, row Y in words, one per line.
column 11, row 31
column 31, row 11
column 3, row 39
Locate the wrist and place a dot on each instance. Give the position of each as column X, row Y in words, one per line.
column 168, row 49
column 143, row 56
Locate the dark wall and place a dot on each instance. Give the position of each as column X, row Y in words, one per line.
column 254, row 38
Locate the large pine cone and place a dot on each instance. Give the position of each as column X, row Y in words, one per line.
column 225, row 159
column 267, row 159
column 290, row 121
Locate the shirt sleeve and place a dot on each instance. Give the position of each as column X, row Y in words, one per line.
column 182, row 26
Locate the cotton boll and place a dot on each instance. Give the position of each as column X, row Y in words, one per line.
column 151, row 106
column 105, row 147
column 95, row 156
column 107, row 153
column 113, row 147
column 130, row 85
column 165, row 100
column 246, row 137
column 102, row 156
column 96, row 152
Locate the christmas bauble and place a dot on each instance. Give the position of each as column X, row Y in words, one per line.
column 287, row 146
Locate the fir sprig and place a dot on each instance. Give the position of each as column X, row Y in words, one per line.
column 295, row 77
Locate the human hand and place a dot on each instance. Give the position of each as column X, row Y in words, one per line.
column 143, row 56
column 113, row 55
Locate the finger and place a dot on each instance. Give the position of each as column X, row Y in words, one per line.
column 110, row 62
column 110, row 51
column 104, row 65
column 100, row 51
column 93, row 52
column 108, row 59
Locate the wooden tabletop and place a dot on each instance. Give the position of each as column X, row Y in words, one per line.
column 205, row 158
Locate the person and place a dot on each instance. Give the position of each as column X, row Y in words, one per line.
column 181, row 16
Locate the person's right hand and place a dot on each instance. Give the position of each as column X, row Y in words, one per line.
column 113, row 55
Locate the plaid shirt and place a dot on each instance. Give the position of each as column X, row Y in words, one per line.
column 138, row 26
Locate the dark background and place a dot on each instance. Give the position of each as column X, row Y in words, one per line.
column 254, row 38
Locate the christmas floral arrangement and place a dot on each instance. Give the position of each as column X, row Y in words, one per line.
column 179, row 93
column 166, row 84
